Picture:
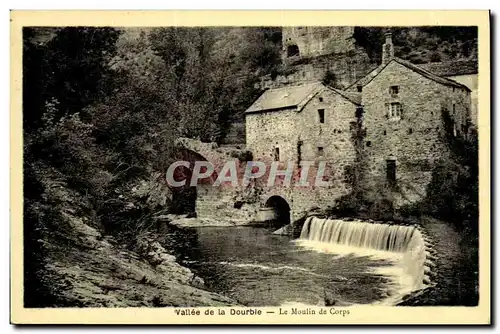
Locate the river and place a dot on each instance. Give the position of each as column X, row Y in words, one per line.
column 256, row 268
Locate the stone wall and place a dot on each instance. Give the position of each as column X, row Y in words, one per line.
column 416, row 140
column 334, row 136
column 317, row 41
column 268, row 130
column 346, row 68
column 225, row 203
column 298, row 136
column 470, row 80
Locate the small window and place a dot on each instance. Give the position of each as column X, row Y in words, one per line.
column 320, row 99
column 454, row 109
column 391, row 171
column 359, row 112
column 395, row 110
column 292, row 50
column 394, row 90
column 321, row 151
column 360, row 89
column 276, row 154
column 321, row 114
column 385, row 132
column 368, row 143
column 410, row 131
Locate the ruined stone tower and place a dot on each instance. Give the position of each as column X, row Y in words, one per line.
column 327, row 54
column 308, row 42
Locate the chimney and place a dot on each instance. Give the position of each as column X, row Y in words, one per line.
column 387, row 49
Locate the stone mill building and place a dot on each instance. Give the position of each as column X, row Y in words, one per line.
column 387, row 120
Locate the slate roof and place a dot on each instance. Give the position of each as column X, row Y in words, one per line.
column 452, row 68
column 285, row 97
column 294, row 97
column 351, row 96
column 367, row 78
column 419, row 69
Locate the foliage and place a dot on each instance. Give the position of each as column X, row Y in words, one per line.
column 453, row 193
column 420, row 44
column 102, row 109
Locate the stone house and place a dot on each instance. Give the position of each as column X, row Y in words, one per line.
column 403, row 119
column 309, row 122
column 401, row 109
column 461, row 71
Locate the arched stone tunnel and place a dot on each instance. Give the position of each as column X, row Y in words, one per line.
column 278, row 211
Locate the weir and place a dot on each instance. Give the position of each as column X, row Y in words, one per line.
column 405, row 242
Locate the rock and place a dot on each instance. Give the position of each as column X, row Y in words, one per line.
column 198, row 282
column 167, row 257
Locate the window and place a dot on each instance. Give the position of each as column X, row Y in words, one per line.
column 360, row 89
column 321, row 151
column 395, row 110
column 410, row 131
column 276, row 154
column 292, row 50
column 454, row 109
column 320, row 99
column 321, row 114
column 385, row 132
column 391, row 171
column 394, row 90
column 368, row 143
column 299, row 151
column 359, row 112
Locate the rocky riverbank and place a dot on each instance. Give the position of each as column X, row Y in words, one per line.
column 456, row 274
column 88, row 269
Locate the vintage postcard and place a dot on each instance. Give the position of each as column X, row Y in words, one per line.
column 252, row 167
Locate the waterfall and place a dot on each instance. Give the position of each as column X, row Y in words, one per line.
column 392, row 238
column 405, row 242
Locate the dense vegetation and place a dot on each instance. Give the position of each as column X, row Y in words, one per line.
column 421, row 44
column 101, row 110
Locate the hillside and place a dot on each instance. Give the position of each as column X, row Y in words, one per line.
column 421, row 45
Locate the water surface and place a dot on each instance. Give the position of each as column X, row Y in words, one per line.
column 257, row 268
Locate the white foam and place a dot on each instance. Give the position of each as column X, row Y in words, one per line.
column 273, row 268
column 402, row 247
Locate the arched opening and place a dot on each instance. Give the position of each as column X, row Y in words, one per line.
column 280, row 211
column 184, row 198
column 292, row 50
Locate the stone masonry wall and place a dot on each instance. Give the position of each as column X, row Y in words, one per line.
column 316, row 41
column 334, row 136
column 287, row 128
column 268, row 130
column 415, row 141
column 346, row 67
column 470, row 80
column 225, row 204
